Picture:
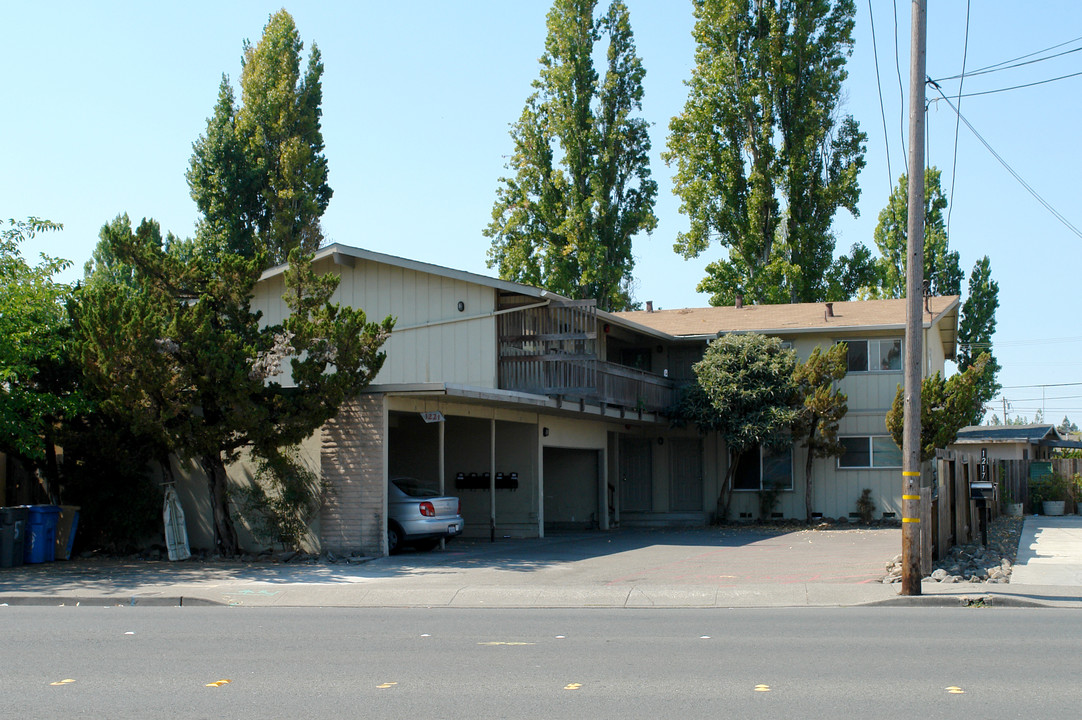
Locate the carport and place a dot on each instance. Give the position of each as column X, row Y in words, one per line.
column 491, row 463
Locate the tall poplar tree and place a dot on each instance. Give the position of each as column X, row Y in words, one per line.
column 581, row 188
column 941, row 265
column 259, row 175
column 763, row 157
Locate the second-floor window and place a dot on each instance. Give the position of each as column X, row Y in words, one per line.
column 874, row 355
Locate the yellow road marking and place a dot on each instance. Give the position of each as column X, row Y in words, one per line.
column 386, row 685
column 218, row 683
column 953, row 690
column 63, row 682
column 762, row 688
column 572, row 686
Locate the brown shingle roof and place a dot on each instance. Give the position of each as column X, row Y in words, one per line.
column 786, row 319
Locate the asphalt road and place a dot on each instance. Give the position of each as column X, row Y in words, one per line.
column 139, row 662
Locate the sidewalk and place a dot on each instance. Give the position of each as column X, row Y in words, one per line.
column 697, row 568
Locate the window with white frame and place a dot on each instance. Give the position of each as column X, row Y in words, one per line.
column 761, row 468
column 874, row 355
column 869, row 451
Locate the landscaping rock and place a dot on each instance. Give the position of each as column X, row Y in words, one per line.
column 992, row 564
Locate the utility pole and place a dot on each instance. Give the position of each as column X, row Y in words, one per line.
column 914, row 295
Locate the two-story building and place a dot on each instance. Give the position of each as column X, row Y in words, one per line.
column 543, row 413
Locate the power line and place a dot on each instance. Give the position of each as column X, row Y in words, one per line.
column 1066, row 223
column 954, row 164
column 882, row 109
column 1012, row 343
column 1046, row 385
column 997, row 68
column 901, row 93
column 1017, row 87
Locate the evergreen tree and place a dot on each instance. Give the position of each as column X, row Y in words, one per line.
column 941, row 268
column 582, row 187
column 823, row 405
column 946, row 407
column 180, row 352
column 975, row 330
column 761, row 124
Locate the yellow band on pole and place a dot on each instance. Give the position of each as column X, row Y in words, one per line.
column 910, row 497
column 916, row 520
column 910, row 473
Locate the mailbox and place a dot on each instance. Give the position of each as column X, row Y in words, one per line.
column 982, row 490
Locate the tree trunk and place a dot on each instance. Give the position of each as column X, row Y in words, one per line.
column 225, row 535
column 808, row 486
column 725, row 498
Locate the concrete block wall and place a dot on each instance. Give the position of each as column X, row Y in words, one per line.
column 351, row 460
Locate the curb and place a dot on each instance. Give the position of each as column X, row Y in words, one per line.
column 957, row 601
column 105, row 601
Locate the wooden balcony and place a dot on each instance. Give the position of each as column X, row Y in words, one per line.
column 586, row 378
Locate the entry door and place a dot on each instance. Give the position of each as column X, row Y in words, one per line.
column 636, row 475
column 686, row 475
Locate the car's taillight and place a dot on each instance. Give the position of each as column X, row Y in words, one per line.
column 427, row 510
column 459, row 510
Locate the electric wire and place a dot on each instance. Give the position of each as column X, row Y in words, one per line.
column 997, row 68
column 1066, row 223
column 882, row 108
column 901, row 90
column 957, row 124
column 1018, row 87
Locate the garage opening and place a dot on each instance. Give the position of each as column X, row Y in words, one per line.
column 413, row 451
column 571, row 488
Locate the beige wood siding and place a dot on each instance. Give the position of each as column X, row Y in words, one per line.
column 451, row 346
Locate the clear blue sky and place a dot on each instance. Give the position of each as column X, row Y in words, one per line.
column 103, row 101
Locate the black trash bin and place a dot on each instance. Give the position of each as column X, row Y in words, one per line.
column 12, row 535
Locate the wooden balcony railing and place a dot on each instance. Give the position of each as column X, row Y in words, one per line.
column 579, row 377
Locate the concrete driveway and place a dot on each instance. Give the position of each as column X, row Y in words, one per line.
column 702, row 567
column 699, row 556
column 1049, row 552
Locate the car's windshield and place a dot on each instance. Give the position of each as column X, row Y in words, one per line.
column 415, row 488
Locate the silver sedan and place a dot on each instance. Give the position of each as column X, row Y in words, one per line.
column 418, row 515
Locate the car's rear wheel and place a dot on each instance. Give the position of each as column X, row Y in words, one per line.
column 395, row 537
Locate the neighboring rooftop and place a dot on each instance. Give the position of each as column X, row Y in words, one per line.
column 782, row 319
column 985, row 434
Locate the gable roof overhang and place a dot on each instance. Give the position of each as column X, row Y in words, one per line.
column 348, row 256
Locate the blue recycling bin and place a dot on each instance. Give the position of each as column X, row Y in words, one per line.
column 12, row 536
column 40, row 543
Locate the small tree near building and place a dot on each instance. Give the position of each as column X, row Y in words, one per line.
column 747, row 395
column 822, row 408
column 946, row 407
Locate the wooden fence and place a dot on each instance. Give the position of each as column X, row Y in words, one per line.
column 950, row 517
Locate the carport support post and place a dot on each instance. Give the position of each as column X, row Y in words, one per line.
column 540, row 479
column 492, row 480
column 442, row 467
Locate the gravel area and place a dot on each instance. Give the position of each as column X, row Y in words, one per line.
column 973, row 563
